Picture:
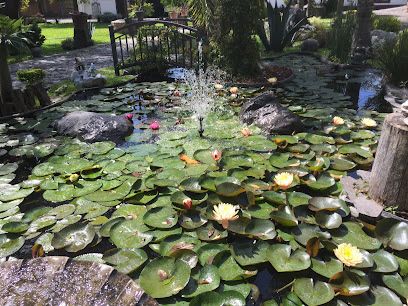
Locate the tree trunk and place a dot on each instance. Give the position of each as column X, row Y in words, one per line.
column 6, row 86
column 310, row 8
column 388, row 183
column 75, row 2
column 340, row 7
column 11, row 9
column 362, row 35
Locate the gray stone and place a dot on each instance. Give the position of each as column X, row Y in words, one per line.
column 266, row 112
column 310, row 45
column 367, row 207
column 94, row 82
column 94, row 127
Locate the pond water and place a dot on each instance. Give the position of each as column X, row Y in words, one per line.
column 145, row 206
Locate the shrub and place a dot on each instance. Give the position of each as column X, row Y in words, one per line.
column 394, row 59
column 235, row 24
column 340, row 37
column 387, row 23
column 68, row 44
column 320, row 33
column 108, row 17
column 30, row 77
column 36, row 39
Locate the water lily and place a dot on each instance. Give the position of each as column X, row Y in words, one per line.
column 216, row 155
column 225, row 212
column 234, row 90
column 348, row 254
column 245, row 132
column 368, row 122
column 218, row 86
column 187, row 203
column 73, row 178
column 338, row 120
column 154, row 126
column 272, row 80
column 129, row 117
column 177, row 93
column 284, row 180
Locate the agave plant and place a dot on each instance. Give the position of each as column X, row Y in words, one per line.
column 282, row 27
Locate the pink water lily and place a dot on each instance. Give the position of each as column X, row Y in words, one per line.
column 129, row 117
column 154, row 126
column 216, row 155
column 177, row 93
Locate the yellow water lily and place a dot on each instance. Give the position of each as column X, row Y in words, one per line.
column 225, row 212
column 218, row 86
column 338, row 120
column 284, row 180
column 272, row 80
column 348, row 254
column 368, row 122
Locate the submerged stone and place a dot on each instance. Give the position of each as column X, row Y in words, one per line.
column 93, row 126
column 268, row 114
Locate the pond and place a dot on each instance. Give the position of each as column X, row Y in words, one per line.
column 147, row 206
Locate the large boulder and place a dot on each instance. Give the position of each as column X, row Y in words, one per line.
column 93, row 126
column 267, row 113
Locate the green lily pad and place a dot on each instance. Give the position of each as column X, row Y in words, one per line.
column 15, row 227
column 384, row 262
column 192, row 184
column 298, row 198
column 229, row 189
column 396, row 283
column 351, row 232
column 325, row 203
column 8, row 168
column 130, row 234
column 323, row 181
column 192, row 219
column 350, row 283
column 393, row 233
column 207, row 252
column 342, row 163
column 328, row 219
column 313, row 293
column 74, row 237
column 164, row 277
column 284, row 218
column 246, row 252
column 10, row 246
column 355, row 148
column 261, row 229
column 161, row 217
column 110, row 195
column 326, row 266
column 283, row 260
column 12, row 194
column 229, row 269
column 304, row 232
column 206, row 279
column 63, row 193
column 125, row 260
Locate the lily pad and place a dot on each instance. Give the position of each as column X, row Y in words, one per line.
column 130, row 234
column 74, row 237
column 164, row 277
column 313, row 293
column 206, row 280
column 350, row 283
column 393, row 233
column 283, row 260
column 246, row 252
column 125, row 260
column 161, row 217
column 326, row 266
column 351, row 232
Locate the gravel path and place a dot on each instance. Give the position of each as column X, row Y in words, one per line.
column 58, row 67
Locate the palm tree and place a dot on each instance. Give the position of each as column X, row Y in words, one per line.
column 202, row 11
column 10, row 37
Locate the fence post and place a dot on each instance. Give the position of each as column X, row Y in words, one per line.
column 113, row 46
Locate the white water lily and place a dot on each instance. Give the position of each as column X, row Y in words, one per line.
column 225, row 212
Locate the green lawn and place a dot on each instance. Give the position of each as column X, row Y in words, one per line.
column 55, row 33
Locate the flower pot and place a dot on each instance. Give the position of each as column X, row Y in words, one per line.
column 173, row 15
column 36, row 51
column 184, row 12
column 139, row 15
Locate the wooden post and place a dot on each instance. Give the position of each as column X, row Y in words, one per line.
column 389, row 176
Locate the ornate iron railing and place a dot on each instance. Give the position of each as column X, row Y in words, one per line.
column 143, row 42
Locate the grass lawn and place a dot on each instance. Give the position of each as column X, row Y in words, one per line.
column 55, row 33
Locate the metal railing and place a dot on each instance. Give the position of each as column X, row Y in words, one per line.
column 148, row 41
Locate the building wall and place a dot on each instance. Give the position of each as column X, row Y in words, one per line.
column 44, row 7
column 106, row 6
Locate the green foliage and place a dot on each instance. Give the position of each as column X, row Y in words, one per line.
column 394, row 59
column 147, row 8
column 11, row 35
column 281, row 27
column 235, row 23
column 67, row 44
column 341, row 37
column 34, row 36
column 30, row 76
column 387, row 23
column 202, row 11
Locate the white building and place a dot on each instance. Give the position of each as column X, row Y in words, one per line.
column 98, row 7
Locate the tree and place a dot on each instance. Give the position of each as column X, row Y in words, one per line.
column 10, row 37
column 340, row 7
column 202, row 11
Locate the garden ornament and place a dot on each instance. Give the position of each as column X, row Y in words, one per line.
column 91, row 71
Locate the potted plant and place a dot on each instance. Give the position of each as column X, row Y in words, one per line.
column 139, row 9
column 35, row 39
column 173, row 11
column 79, row 19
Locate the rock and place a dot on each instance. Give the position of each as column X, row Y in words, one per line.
column 94, row 127
column 310, row 45
column 94, row 82
column 367, row 207
column 267, row 113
